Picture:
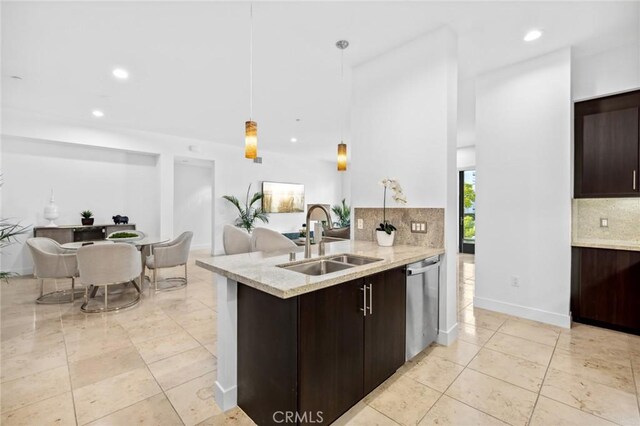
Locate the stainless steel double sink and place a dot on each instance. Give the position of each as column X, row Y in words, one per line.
column 329, row 264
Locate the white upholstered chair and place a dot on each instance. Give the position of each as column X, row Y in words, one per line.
column 51, row 261
column 103, row 265
column 169, row 255
column 235, row 240
column 263, row 239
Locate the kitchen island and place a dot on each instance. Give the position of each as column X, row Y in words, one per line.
column 305, row 348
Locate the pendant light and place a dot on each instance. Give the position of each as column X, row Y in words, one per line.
column 251, row 127
column 342, row 147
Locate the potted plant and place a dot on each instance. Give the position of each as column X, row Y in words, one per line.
column 87, row 217
column 343, row 212
column 386, row 232
column 247, row 214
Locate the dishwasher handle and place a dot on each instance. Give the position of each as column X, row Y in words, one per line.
column 424, row 269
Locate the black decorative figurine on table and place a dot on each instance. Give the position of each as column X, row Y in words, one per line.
column 120, row 220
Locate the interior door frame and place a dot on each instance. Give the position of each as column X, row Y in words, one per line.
column 462, row 247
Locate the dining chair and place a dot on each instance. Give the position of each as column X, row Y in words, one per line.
column 104, row 265
column 169, row 255
column 263, row 239
column 51, row 261
column 235, row 240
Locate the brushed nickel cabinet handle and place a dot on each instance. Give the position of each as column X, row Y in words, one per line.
column 634, row 180
column 363, row 289
column 370, row 299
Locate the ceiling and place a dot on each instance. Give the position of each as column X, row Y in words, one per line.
column 189, row 61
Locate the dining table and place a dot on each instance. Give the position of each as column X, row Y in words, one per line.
column 141, row 244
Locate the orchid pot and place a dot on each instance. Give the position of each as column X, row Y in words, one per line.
column 384, row 239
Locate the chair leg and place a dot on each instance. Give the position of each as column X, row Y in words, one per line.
column 185, row 273
column 73, row 289
column 41, row 286
column 155, row 278
column 106, row 291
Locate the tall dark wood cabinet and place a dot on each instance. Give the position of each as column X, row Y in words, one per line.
column 607, row 146
column 606, row 288
column 319, row 352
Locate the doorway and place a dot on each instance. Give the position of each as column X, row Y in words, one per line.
column 193, row 201
column 467, row 211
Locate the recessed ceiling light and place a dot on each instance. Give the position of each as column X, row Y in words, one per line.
column 120, row 73
column 532, row 35
column 97, row 113
column 294, row 140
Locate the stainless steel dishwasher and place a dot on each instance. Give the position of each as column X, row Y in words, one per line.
column 423, row 292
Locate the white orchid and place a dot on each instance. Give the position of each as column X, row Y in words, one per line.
column 398, row 196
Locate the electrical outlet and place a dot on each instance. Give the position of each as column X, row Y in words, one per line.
column 604, row 222
column 419, row 227
column 360, row 224
column 515, row 281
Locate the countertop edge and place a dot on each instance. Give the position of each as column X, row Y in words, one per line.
column 596, row 245
column 341, row 277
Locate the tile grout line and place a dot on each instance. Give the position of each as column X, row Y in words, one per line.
column 156, row 380
column 66, row 355
column 535, row 404
column 465, row 367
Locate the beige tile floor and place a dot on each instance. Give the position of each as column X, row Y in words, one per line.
column 156, row 364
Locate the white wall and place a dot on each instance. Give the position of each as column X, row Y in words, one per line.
column 466, row 158
column 404, row 126
column 232, row 172
column 523, row 222
column 105, row 181
column 607, row 72
column 466, row 112
column 192, row 201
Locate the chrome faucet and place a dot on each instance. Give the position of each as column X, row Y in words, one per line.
column 307, row 243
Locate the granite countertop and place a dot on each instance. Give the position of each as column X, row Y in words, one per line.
column 607, row 244
column 260, row 271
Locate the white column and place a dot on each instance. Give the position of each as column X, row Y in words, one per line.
column 166, row 172
column 227, row 382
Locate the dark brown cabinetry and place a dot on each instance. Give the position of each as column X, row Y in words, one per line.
column 607, row 146
column 384, row 327
column 70, row 233
column 605, row 289
column 318, row 354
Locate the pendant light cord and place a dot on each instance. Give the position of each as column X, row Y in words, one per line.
column 342, row 94
column 251, row 62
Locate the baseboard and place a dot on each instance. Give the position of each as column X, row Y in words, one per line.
column 226, row 398
column 523, row 312
column 24, row 271
column 447, row 337
column 200, row 246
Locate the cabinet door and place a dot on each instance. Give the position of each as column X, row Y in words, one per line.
column 385, row 326
column 610, row 152
column 331, row 346
column 610, row 288
column 607, row 146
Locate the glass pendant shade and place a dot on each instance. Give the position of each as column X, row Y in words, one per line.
column 250, row 139
column 342, row 157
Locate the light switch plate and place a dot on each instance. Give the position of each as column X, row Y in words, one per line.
column 604, row 222
column 360, row 224
column 419, row 227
